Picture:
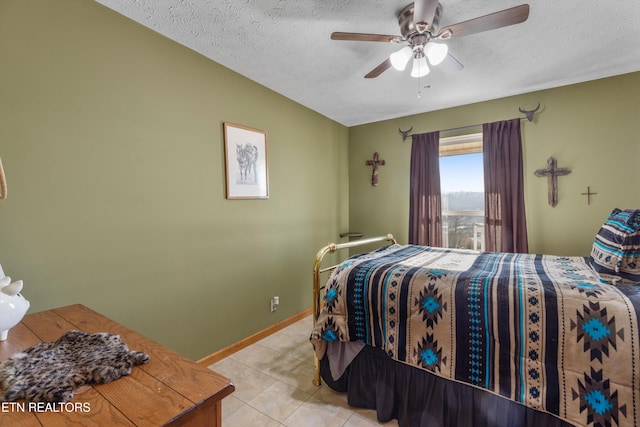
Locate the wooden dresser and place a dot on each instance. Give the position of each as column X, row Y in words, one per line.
column 168, row 390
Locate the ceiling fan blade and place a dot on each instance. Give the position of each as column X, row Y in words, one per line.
column 363, row 37
column 503, row 18
column 450, row 65
column 379, row 69
column 424, row 11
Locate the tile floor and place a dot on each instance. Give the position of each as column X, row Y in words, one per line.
column 273, row 386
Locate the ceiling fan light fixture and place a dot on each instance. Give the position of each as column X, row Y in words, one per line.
column 436, row 52
column 401, row 58
column 419, row 23
column 420, row 67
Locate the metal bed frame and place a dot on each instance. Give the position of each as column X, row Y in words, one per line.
column 317, row 270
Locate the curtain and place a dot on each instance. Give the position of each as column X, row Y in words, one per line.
column 505, row 223
column 425, row 211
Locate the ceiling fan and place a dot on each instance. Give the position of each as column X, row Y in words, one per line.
column 419, row 28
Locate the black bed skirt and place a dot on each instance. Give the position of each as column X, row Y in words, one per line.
column 418, row 398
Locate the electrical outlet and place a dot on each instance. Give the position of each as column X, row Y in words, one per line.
column 275, row 302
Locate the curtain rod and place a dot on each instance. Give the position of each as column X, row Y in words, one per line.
column 463, row 128
column 528, row 115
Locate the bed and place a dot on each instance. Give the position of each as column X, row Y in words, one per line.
column 444, row 337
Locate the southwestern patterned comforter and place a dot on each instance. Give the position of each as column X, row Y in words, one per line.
column 540, row 330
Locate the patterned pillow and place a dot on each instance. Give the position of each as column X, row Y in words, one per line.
column 615, row 254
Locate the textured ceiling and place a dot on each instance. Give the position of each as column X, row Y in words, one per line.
column 285, row 46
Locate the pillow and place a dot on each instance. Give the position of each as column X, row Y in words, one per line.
column 616, row 248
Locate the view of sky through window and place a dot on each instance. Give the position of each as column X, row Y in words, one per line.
column 461, row 173
column 462, row 188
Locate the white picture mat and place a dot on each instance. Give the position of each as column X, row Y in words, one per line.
column 252, row 179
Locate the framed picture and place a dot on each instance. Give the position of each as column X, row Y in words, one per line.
column 245, row 152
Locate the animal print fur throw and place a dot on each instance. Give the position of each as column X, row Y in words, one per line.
column 52, row 371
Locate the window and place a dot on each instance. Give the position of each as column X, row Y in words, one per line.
column 462, row 188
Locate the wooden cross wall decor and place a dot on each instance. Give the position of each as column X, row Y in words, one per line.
column 375, row 163
column 553, row 172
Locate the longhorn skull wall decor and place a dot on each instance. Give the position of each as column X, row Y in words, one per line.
column 529, row 113
column 405, row 133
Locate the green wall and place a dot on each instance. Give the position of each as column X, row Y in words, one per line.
column 112, row 142
column 592, row 128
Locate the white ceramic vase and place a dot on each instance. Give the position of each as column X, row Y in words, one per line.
column 13, row 306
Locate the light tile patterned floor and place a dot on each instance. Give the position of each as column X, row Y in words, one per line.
column 273, row 386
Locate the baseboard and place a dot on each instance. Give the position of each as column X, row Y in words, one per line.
column 228, row 351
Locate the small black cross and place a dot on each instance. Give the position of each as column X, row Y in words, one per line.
column 588, row 194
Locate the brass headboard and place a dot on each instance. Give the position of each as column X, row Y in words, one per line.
column 317, row 270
